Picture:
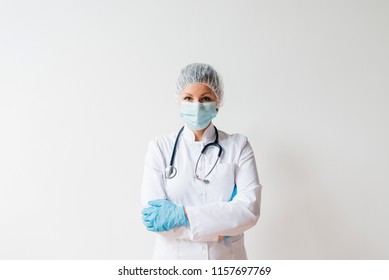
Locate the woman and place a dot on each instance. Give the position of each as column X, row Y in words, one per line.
column 200, row 202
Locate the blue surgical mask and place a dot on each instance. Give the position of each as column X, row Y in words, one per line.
column 197, row 115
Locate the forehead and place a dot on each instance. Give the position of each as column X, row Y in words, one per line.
column 196, row 89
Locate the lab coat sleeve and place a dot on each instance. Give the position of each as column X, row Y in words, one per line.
column 234, row 217
column 153, row 187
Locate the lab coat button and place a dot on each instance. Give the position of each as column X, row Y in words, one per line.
column 204, row 248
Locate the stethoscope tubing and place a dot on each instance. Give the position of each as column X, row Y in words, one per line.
column 171, row 170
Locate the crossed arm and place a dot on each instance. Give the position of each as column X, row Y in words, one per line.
column 206, row 222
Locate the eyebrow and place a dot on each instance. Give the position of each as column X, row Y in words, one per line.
column 208, row 92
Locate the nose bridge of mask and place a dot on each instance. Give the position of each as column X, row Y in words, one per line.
column 201, row 110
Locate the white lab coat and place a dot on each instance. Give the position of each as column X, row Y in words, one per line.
column 209, row 211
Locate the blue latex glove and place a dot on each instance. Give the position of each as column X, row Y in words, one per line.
column 163, row 215
column 232, row 197
column 233, row 193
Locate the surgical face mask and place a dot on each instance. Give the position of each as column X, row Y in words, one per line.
column 197, row 115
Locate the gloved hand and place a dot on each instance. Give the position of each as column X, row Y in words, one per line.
column 163, row 215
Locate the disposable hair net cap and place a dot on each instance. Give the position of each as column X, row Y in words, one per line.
column 201, row 73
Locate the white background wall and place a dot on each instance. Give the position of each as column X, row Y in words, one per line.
column 84, row 85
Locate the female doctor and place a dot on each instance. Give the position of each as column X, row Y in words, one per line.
column 200, row 187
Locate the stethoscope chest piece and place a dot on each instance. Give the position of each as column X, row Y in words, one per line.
column 170, row 172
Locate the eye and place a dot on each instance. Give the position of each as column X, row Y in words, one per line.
column 187, row 98
column 206, row 99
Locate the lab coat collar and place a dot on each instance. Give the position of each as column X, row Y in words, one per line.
column 208, row 136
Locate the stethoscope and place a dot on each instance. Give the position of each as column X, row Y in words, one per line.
column 171, row 171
